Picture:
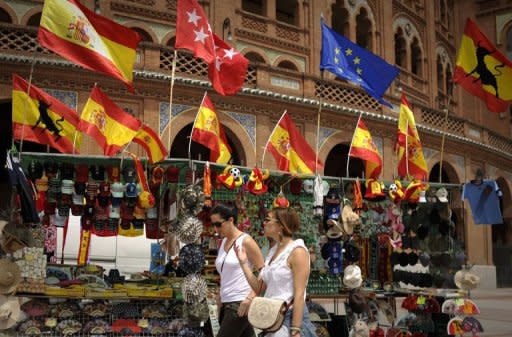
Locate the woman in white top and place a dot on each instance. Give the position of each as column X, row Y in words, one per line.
column 286, row 272
column 235, row 292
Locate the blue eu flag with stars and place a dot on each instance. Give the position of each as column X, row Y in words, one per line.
column 351, row 62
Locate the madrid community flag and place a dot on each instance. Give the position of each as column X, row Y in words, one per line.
column 94, row 42
column 364, row 148
column 107, row 123
column 482, row 70
column 289, row 148
column 193, row 32
column 43, row 119
column 411, row 161
column 149, row 140
column 208, row 131
column 227, row 73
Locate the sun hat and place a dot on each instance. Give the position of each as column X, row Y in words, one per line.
column 350, row 219
column 335, row 231
column 442, row 195
column 190, row 229
column 10, row 276
column 352, row 277
column 193, row 288
column 10, row 311
column 191, row 258
column 466, row 280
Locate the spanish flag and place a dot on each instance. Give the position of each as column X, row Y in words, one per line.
column 149, row 140
column 482, row 70
column 208, row 131
column 290, row 150
column 43, row 119
column 108, row 124
column 364, row 148
column 96, row 43
column 411, row 162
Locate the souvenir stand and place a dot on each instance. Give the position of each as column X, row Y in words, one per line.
column 368, row 247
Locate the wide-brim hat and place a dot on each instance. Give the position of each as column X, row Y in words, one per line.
column 335, row 230
column 466, row 280
column 350, row 219
column 357, row 302
column 352, row 277
column 194, row 288
column 10, row 311
column 352, row 251
column 10, row 276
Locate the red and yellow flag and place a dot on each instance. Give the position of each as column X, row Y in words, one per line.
column 411, row 161
column 107, row 123
column 149, row 140
column 96, row 43
column 208, row 131
column 290, row 150
column 482, row 70
column 364, row 148
column 43, row 119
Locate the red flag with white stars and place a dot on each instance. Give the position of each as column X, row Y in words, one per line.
column 227, row 72
column 193, row 32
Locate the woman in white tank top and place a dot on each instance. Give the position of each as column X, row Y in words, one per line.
column 286, row 272
column 235, row 292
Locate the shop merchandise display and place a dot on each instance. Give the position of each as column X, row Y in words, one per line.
column 384, row 243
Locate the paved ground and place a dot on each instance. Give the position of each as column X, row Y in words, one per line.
column 495, row 311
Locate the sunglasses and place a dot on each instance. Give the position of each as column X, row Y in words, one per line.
column 218, row 223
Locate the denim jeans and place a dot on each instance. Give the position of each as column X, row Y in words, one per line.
column 308, row 328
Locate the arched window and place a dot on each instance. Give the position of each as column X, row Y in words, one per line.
column 287, row 65
column 440, row 75
column 287, row 11
column 145, row 36
column 171, row 42
column 254, row 57
column 4, row 16
column 253, row 6
column 450, row 14
column 336, row 163
column 340, row 18
column 400, row 48
column 448, row 79
column 509, row 43
column 34, row 20
column 416, row 58
column 364, row 30
column 442, row 11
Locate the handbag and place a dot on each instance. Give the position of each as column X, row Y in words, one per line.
column 267, row 314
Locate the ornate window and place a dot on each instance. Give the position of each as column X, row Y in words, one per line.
column 416, row 58
column 440, row 74
column 400, row 48
column 4, row 16
column 287, row 11
column 34, row 20
column 340, row 18
column 287, row 65
column 449, row 80
column 145, row 36
column 254, row 57
column 364, row 30
column 253, row 6
column 442, row 11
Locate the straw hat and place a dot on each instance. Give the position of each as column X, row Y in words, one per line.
column 3, row 223
column 10, row 311
column 350, row 219
column 466, row 280
column 10, row 276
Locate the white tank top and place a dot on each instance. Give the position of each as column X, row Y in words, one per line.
column 277, row 275
column 233, row 284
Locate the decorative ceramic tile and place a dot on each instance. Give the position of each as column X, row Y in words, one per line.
column 164, row 113
column 70, row 98
column 379, row 143
column 460, row 162
column 429, row 153
column 324, row 134
column 248, row 123
column 491, row 171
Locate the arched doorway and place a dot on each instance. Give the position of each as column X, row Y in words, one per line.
column 502, row 238
column 336, row 163
column 179, row 148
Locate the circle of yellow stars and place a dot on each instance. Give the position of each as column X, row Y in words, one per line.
column 356, row 60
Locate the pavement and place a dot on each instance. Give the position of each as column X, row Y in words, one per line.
column 495, row 311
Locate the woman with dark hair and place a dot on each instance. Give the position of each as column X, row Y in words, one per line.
column 235, row 293
column 286, row 272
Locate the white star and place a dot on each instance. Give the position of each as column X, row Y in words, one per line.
column 200, row 35
column 230, row 53
column 209, row 28
column 218, row 62
column 193, row 17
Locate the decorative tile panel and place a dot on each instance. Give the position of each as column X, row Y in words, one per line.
column 325, row 133
column 460, row 161
column 429, row 153
column 164, row 113
column 379, row 143
column 248, row 123
column 70, row 98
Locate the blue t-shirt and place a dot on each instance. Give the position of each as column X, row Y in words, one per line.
column 485, row 206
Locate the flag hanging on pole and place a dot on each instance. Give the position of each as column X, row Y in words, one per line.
column 92, row 41
column 149, row 140
column 208, row 131
column 411, row 161
column 364, row 148
column 483, row 70
column 43, row 119
column 289, row 148
column 107, row 123
column 353, row 63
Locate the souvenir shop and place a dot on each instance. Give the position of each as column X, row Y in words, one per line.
column 387, row 258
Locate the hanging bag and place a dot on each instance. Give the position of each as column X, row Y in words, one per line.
column 267, row 314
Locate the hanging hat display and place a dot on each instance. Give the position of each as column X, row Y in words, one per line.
column 413, row 191
column 10, row 311
column 466, row 280
column 256, row 184
column 194, row 288
column 192, row 199
column 10, row 276
column 396, row 191
column 230, row 177
column 350, row 219
column 374, row 189
column 280, row 201
column 190, row 229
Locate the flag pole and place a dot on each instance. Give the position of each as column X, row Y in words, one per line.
column 173, row 72
column 443, row 137
column 193, row 125
column 318, row 122
column 25, row 107
column 352, row 142
column 268, row 141
column 407, row 148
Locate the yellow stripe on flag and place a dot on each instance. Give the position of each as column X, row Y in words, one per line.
column 280, row 140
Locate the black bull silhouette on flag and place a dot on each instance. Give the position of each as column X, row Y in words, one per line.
column 46, row 120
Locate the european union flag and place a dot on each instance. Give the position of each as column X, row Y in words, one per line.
column 356, row 64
